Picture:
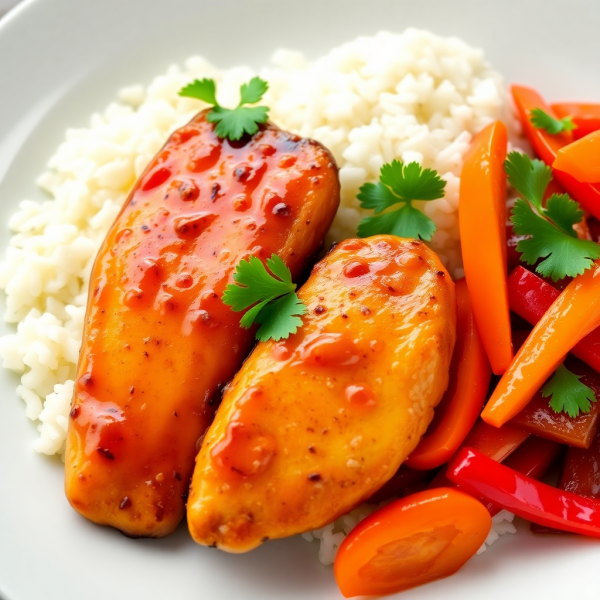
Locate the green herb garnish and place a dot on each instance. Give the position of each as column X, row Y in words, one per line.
column 400, row 184
column 551, row 232
column 232, row 123
column 542, row 120
column 272, row 296
column 569, row 395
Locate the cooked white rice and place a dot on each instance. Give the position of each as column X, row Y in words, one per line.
column 415, row 96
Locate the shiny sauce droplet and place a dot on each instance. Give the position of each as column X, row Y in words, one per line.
column 244, row 452
column 328, row 350
column 360, row 395
column 356, row 269
column 156, row 178
column 280, row 352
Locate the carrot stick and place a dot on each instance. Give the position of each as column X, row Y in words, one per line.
column 482, row 219
column 574, row 314
column 469, row 380
column 581, row 159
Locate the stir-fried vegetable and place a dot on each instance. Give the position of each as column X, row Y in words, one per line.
column 482, row 218
column 586, row 117
column 581, row 159
column 421, row 538
column 574, row 314
column 459, row 408
column 538, row 502
column 547, row 145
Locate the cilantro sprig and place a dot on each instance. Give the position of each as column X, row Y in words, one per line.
column 542, row 120
column 550, row 232
column 567, row 393
column 271, row 294
column 400, row 184
column 232, row 123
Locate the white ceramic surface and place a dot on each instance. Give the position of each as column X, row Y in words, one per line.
column 60, row 60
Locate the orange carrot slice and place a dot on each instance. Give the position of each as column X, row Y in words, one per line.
column 482, row 219
column 459, row 408
column 574, row 314
column 581, row 159
column 420, row 538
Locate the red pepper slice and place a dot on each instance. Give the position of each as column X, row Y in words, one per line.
column 581, row 475
column 533, row 458
column 458, row 410
column 530, row 297
column 482, row 477
column 546, row 147
column 585, row 116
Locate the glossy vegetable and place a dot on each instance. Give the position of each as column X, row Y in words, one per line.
column 581, row 159
column 404, row 482
column 496, row 442
column 547, row 146
column 532, row 458
column 482, row 218
column 412, row 541
column 312, row 426
column 469, row 381
column 574, row 314
column 530, row 297
column 538, row 502
column 585, row 116
column 540, row 419
column 158, row 341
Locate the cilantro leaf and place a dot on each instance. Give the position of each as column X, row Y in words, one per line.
column 280, row 318
column 410, row 182
column 400, row 184
column 232, row 123
column 253, row 91
column 529, row 177
column 201, row 89
column 376, row 196
column 563, row 255
column 569, row 395
column 272, row 296
column 564, row 212
column 542, row 120
column 549, row 230
column 404, row 222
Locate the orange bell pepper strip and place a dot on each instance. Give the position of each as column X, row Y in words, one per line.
column 482, row 219
column 585, row 116
column 574, row 314
column 470, row 376
column 547, row 146
column 581, row 159
column 415, row 540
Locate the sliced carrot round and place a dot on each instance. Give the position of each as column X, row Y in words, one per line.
column 420, row 538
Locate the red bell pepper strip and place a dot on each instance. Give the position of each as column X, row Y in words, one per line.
column 458, row 410
column 585, row 116
column 581, row 475
column 482, row 477
column 496, row 442
column 547, row 146
column 533, row 458
column 530, row 297
column 572, row 316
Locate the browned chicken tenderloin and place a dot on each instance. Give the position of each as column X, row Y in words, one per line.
column 312, row 426
column 158, row 341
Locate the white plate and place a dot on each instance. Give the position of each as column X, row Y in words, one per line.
column 60, row 60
